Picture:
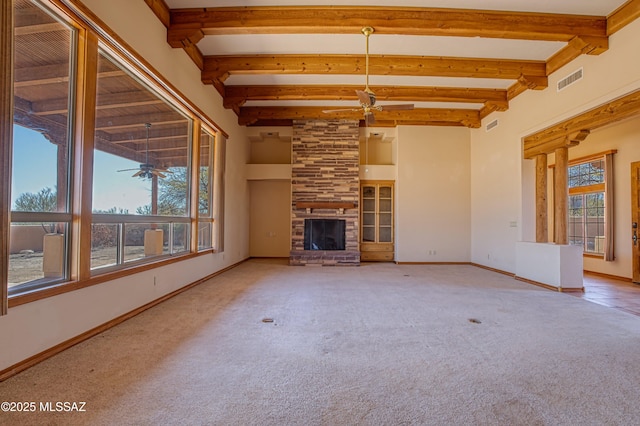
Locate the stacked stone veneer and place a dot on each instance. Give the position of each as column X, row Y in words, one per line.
column 325, row 168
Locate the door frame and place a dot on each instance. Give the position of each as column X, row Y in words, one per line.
column 635, row 219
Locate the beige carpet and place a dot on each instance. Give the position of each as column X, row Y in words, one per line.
column 379, row 344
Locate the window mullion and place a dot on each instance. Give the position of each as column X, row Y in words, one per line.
column 83, row 139
column 585, row 225
column 194, row 180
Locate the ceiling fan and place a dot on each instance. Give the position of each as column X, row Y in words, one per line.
column 147, row 170
column 366, row 97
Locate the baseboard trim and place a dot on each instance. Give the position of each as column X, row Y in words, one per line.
column 499, row 271
column 48, row 353
column 433, row 263
column 613, row 277
column 550, row 287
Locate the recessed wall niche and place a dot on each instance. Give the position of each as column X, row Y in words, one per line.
column 270, row 147
column 377, row 147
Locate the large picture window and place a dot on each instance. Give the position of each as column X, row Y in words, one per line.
column 141, row 169
column 101, row 159
column 40, row 188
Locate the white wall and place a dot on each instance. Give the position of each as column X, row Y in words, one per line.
column 433, row 194
column 34, row 327
column 270, row 223
column 503, row 184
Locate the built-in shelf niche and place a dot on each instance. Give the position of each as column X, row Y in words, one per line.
column 377, row 147
column 270, row 147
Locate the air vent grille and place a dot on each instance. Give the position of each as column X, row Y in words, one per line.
column 492, row 125
column 572, row 78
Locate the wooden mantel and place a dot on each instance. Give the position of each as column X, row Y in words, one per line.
column 309, row 205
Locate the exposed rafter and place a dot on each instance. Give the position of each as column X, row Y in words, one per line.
column 236, row 96
column 434, row 116
column 220, row 67
column 386, row 20
column 188, row 28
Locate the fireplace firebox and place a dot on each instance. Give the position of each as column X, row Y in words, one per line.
column 324, row 234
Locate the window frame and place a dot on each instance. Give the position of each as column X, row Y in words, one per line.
column 92, row 33
column 61, row 217
column 211, row 195
column 605, row 187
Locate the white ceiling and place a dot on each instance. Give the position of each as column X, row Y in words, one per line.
column 249, row 44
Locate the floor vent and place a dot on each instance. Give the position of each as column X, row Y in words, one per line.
column 492, row 125
column 574, row 77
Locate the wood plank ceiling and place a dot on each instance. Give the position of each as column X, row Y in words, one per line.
column 280, row 61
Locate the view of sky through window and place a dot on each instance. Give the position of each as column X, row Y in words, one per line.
column 34, row 168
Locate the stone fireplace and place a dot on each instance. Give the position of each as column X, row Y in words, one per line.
column 325, row 189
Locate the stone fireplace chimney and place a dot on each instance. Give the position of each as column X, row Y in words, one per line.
column 325, row 186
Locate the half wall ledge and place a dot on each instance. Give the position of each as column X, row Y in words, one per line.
column 556, row 266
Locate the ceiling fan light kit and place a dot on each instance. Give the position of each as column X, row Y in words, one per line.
column 367, row 97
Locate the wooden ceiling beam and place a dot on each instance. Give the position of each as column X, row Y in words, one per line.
column 236, row 96
column 527, row 83
column 139, row 138
column 626, row 14
column 105, row 101
column 385, row 20
column 39, row 28
column 220, row 67
column 161, row 10
column 137, row 121
column 51, row 74
column 576, row 47
column 469, row 118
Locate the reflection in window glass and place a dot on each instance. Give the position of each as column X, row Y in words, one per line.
column 37, row 254
column 586, row 221
column 205, row 196
column 38, row 236
column 586, row 174
column 180, row 240
column 142, row 147
column 104, row 244
column 205, row 237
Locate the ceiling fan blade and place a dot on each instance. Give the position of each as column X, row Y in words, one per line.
column 127, row 170
column 396, row 107
column 328, row 111
column 369, row 118
column 158, row 173
column 364, row 97
column 138, row 173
